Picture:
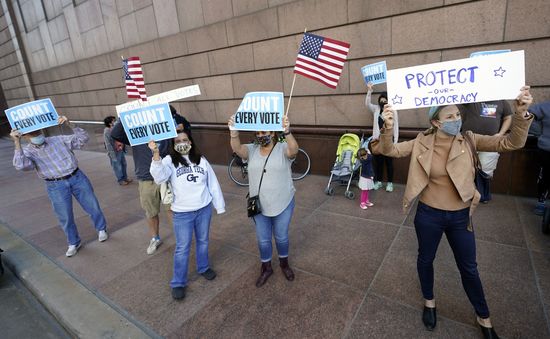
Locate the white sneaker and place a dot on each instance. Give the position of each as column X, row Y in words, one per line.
column 102, row 236
column 72, row 250
column 389, row 187
column 153, row 245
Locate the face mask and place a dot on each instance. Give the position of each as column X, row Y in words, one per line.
column 264, row 140
column 38, row 140
column 451, row 127
column 182, row 148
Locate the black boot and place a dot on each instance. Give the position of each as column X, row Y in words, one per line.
column 429, row 318
column 287, row 271
column 488, row 332
column 266, row 272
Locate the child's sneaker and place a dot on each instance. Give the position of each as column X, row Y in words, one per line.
column 369, row 204
column 389, row 187
column 377, row 185
column 363, row 206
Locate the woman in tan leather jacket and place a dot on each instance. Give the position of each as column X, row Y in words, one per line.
column 441, row 174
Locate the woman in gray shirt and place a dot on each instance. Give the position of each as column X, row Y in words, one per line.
column 276, row 193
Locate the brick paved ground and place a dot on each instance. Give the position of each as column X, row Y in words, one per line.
column 355, row 269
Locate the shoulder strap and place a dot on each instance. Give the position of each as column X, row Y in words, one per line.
column 475, row 157
column 263, row 169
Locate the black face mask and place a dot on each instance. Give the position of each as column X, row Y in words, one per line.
column 382, row 104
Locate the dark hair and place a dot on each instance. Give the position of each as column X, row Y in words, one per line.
column 361, row 152
column 382, row 95
column 108, row 120
column 173, row 110
column 194, row 154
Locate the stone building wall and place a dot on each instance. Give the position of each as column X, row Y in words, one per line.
column 230, row 47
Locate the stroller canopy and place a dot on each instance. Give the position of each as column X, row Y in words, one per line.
column 348, row 142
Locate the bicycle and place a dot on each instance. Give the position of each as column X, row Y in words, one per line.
column 238, row 168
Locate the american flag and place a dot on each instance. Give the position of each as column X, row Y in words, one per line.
column 321, row 59
column 133, row 75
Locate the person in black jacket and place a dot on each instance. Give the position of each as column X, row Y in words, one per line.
column 180, row 122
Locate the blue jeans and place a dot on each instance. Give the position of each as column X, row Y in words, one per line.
column 430, row 224
column 119, row 166
column 61, row 196
column 184, row 224
column 278, row 226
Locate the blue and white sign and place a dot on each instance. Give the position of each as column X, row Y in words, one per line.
column 483, row 53
column 491, row 77
column 260, row 111
column 375, row 73
column 147, row 123
column 32, row 116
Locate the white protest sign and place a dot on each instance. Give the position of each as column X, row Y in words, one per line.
column 164, row 97
column 492, row 77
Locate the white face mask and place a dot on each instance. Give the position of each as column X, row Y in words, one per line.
column 183, row 148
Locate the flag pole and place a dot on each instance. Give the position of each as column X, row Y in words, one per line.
column 292, row 88
column 290, row 97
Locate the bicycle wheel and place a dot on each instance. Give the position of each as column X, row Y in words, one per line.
column 300, row 165
column 238, row 171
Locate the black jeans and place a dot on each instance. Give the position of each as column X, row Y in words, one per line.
column 484, row 187
column 430, row 224
column 379, row 161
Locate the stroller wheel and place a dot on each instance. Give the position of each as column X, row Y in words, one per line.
column 350, row 195
column 329, row 191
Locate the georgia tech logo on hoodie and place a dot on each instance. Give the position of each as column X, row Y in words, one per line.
column 190, row 169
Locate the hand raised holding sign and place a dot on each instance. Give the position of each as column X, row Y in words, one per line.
column 62, row 119
column 523, row 101
column 231, row 124
column 154, row 147
column 369, row 86
column 387, row 115
column 15, row 135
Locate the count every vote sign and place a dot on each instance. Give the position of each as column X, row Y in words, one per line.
column 486, row 78
column 148, row 123
column 375, row 73
column 260, row 111
column 32, row 116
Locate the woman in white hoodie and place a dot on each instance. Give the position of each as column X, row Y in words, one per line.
column 379, row 159
column 195, row 189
